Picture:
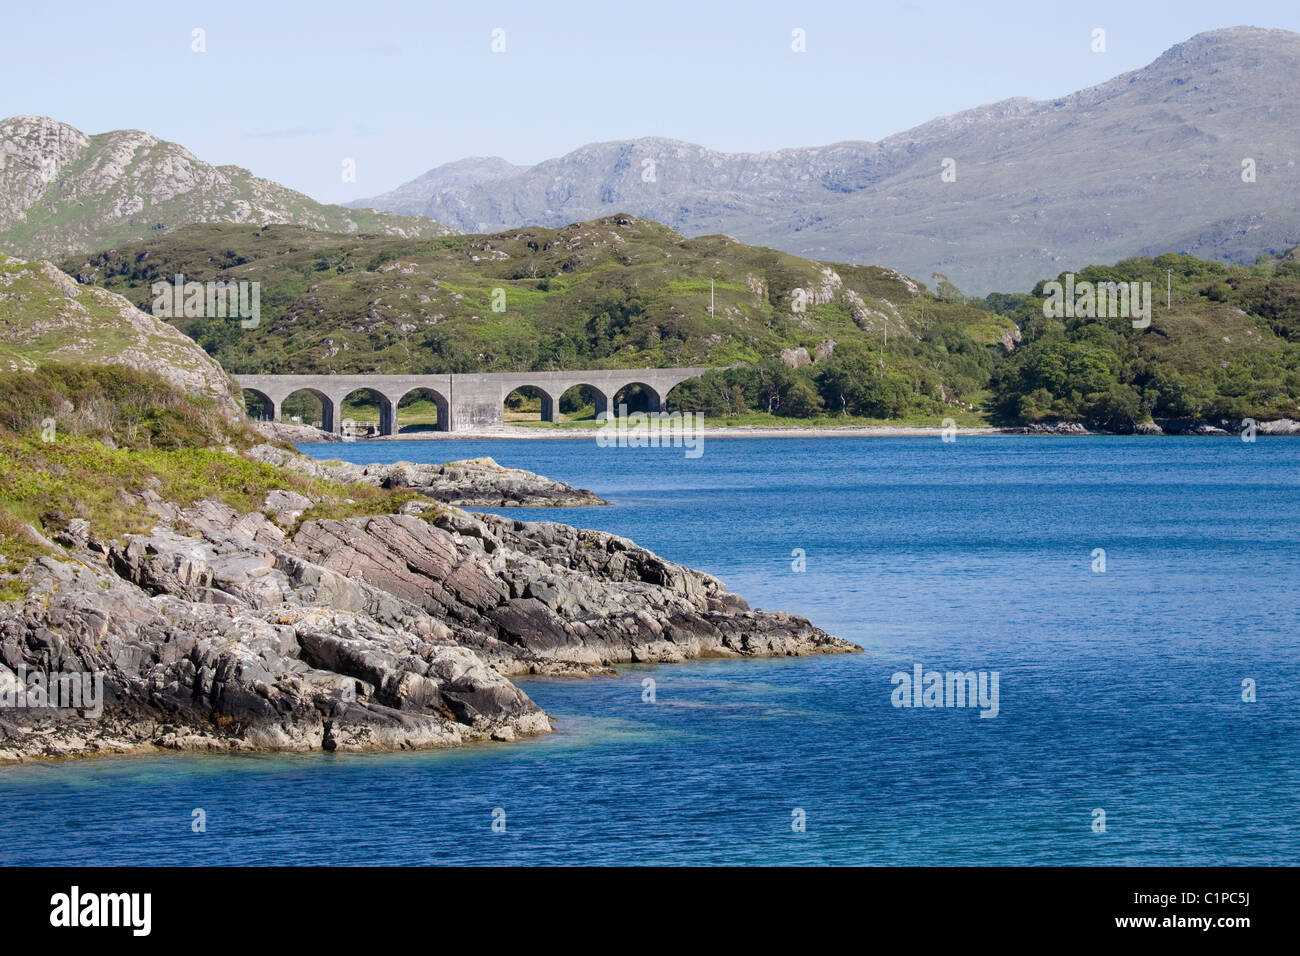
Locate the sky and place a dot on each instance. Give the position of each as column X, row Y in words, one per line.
column 292, row 90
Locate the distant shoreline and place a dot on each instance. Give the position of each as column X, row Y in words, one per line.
column 736, row 431
column 299, row 434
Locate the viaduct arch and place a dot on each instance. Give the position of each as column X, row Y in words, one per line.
column 464, row 401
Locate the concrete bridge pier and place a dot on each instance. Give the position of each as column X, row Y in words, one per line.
column 550, row 407
column 603, row 403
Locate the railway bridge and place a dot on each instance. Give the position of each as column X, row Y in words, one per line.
column 464, row 401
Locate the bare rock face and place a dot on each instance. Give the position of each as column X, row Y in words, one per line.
column 294, row 433
column 796, row 358
column 540, row 597
column 229, row 631
column 63, row 192
column 1053, row 428
column 1281, row 426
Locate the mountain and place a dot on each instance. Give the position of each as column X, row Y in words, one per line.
column 63, row 192
column 1146, row 163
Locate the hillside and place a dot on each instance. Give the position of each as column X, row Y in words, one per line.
column 64, row 192
column 46, row 316
column 1227, row 349
column 618, row 292
column 1146, row 163
column 625, row 292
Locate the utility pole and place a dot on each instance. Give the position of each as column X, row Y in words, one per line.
column 1169, row 300
column 884, row 319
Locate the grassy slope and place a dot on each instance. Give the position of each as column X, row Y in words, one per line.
column 121, row 437
column 40, row 321
column 616, row 292
column 626, row 292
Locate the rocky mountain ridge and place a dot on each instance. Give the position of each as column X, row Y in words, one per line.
column 64, row 192
column 1145, row 163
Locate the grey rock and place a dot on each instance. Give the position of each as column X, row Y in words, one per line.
column 477, row 482
column 796, row 358
column 1281, row 426
column 220, row 631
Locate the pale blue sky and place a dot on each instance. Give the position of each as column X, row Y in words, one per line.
column 290, row 89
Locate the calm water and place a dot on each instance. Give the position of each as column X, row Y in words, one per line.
column 1119, row 690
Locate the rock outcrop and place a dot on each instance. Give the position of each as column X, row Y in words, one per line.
column 47, row 316
column 472, row 483
column 294, row 433
column 228, row 631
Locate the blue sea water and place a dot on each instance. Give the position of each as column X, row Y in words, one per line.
column 1119, row 690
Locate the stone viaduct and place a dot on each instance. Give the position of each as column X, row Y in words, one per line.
column 464, row 401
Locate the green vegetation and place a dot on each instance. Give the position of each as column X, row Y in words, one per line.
column 622, row 292
column 1228, row 349
column 115, row 404
column 108, row 444
column 937, row 375
column 616, row 293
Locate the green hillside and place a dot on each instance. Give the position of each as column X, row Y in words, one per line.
column 627, row 292
column 1227, row 349
column 64, row 193
column 615, row 292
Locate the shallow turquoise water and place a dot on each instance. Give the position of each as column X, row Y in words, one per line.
column 1118, row 690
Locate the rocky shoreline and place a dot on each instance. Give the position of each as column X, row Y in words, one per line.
column 225, row 631
column 472, row 483
column 1280, row 426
